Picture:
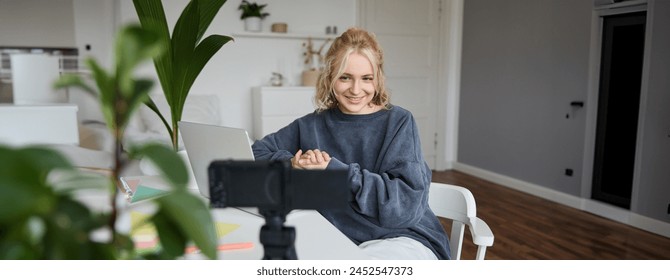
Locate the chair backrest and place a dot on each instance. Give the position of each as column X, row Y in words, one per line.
column 458, row 205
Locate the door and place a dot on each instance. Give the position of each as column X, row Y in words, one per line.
column 408, row 32
column 618, row 107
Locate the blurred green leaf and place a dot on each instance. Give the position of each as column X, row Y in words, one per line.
column 32, row 163
column 139, row 96
column 24, row 190
column 193, row 217
column 107, row 88
column 36, row 222
column 68, row 231
column 170, row 164
column 17, row 250
column 69, row 80
column 39, row 219
column 70, row 181
column 20, row 200
column 172, row 238
column 134, row 44
column 125, row 246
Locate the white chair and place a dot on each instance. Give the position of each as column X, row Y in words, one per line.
column 458, row 205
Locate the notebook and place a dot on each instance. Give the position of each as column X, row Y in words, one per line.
column 205, row 143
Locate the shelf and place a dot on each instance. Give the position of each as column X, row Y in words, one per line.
column 283, row 35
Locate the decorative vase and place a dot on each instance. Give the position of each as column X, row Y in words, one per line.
column 310, row 77
column 252, row 24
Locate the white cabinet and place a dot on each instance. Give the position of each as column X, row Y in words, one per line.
column 39, row 124
column 276, row 107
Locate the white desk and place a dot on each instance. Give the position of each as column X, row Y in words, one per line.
column 316, row 238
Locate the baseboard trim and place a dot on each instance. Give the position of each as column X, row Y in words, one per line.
column 519, row 185
column 592, row 206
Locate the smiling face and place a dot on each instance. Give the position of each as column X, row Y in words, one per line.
column 353, row 75
column 355, row 88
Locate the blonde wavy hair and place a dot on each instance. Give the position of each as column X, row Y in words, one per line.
column 354, row 40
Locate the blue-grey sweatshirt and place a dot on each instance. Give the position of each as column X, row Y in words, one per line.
column 389, row 178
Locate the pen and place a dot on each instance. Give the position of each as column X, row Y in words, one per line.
column 126, row 188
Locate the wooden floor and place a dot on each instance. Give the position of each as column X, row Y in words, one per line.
column 527, row 227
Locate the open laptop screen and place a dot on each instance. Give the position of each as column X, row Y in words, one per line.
column 205, row 143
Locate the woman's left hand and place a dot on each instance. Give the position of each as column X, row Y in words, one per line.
column 311, row 159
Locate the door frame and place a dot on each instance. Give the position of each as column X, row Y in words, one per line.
column 449, row 67
column 591, row 106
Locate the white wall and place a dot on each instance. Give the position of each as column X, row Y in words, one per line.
column 523, row 62
column 653, row 191
column 249, row 62
column 36, row 23
column 94, row 26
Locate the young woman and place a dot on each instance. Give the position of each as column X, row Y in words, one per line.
column 356, row 128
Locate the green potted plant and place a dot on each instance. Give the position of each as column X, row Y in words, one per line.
column 185, row 53
column 252, row 14
column 41, row 217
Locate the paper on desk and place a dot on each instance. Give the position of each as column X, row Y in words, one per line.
column 144, row 193
column 145, row 237
column 141, row 192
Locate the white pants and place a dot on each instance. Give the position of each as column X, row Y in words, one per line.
column 398, row 248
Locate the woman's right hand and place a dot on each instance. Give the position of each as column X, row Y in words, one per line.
column 311, row 159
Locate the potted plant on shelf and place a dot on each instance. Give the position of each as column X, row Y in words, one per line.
column 252, row 14
column 185, row 54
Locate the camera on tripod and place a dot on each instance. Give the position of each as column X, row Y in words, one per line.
column 276, row 189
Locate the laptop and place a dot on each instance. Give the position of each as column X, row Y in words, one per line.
column 205, row 143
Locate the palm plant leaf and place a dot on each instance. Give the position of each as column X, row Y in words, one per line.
column 152, row 15
column 183, row 46
column 178, row 68
column 203, row 53
column 208, row 9
column 150, row 103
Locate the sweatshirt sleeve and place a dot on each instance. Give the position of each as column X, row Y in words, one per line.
column 277, row 146
column 397, row 195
